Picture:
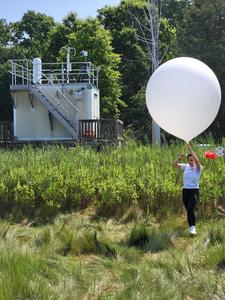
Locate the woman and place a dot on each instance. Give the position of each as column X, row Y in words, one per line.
column 190, row 193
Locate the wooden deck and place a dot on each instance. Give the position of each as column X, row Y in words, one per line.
column 101, row 131
column 6, row 131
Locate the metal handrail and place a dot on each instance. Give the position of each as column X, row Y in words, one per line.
column 55, row 98
column 27, row 79
column 26, row 76
column 21, row 71
column 80, row 71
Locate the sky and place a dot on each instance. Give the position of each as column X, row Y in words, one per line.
column 13, row 10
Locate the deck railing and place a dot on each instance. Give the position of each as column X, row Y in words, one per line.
column 6, row 131
column 101, row 130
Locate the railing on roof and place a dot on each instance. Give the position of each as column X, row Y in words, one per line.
column 22, row 72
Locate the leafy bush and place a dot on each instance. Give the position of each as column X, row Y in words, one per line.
column 40, row 183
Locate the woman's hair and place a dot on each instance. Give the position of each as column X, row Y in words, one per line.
column 189, row 155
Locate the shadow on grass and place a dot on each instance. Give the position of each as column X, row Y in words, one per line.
column 150, row 239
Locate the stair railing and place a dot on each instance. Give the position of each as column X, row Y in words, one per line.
column 58, row 99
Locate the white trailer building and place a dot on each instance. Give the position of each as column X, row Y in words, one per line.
column 58, row 101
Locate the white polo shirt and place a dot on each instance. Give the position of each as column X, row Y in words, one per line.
column 191, row 176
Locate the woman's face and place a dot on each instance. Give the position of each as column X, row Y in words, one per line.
column 191, row 161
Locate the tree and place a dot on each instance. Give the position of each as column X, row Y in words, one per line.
column 5, row 97
column 133, row 68
column 91, row 36
column 7, row 51
column 58, row 36
column 24, row 39
column 174, row 10
column 128, row 24
column 202, row 36
column 31, row 32
column 150, row 35
column 5, row 33
column 71, row 22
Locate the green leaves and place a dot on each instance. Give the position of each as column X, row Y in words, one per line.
column 46, row 181
column 90, row 35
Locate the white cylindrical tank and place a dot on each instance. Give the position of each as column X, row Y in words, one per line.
column 37, row 70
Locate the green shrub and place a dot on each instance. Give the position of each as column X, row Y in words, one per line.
column 40, row 183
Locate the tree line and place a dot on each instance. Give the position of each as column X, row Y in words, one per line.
column 115, row 43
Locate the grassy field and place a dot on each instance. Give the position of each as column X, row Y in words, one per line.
column 41, row 183
column 81, row 224
column 81, row 257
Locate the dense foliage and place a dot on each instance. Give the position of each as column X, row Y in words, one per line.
column 43, row 182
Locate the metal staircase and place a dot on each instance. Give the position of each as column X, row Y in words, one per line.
column 61, row 108
column 49, row 93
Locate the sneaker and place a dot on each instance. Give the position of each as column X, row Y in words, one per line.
column 192, row 230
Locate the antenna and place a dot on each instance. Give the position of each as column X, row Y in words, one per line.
column 68, row 64
column 84, row 53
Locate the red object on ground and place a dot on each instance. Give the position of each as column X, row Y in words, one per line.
column 210, row 155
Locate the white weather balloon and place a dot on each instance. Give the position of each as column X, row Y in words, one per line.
column 183, row 97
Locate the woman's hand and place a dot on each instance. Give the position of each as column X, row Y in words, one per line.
column 176, row 161
column 181, row 156
column 195, row 157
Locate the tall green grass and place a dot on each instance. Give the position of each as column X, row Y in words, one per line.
column 123, row 238
column 40, row 183
column 78, row 258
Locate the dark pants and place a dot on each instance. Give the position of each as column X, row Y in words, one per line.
column 190, row 199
